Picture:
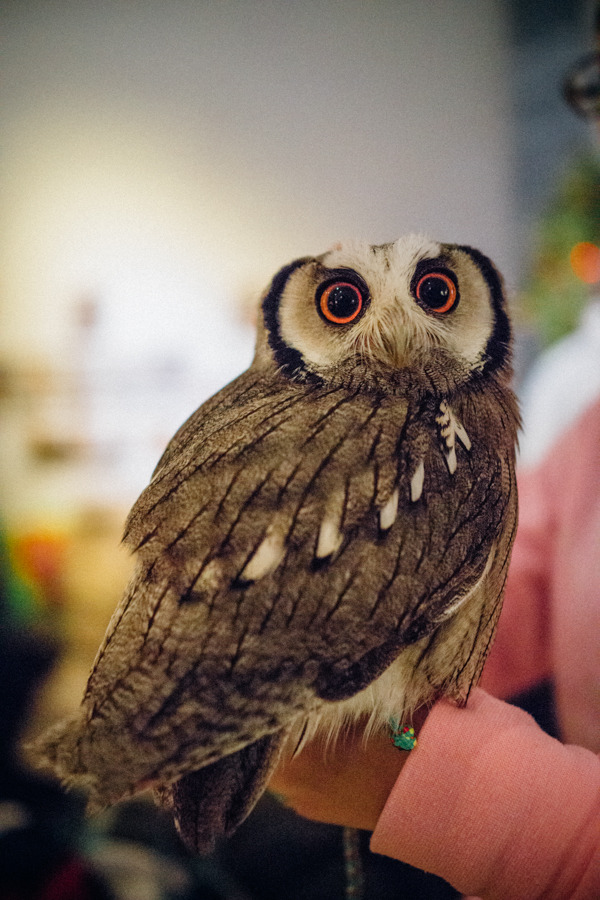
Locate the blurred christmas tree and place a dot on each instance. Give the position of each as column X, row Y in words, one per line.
column 566, row 260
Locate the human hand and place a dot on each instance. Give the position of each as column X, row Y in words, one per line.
column 343, row 782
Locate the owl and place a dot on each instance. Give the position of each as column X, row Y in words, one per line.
column 326, row 539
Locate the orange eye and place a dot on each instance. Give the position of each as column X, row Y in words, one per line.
column 340, row 302
column 437, row 291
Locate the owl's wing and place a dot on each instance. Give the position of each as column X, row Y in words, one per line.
column 210, row 803
column 292, row 541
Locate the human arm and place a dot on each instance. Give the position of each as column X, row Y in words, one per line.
column 346, row 781
column 550, row 622
column 486, row 800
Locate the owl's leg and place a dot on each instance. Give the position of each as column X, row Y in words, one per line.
column 212, row 802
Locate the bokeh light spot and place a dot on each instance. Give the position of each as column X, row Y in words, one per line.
column 585, row 262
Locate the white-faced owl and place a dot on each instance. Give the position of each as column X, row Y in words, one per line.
column 326, row 538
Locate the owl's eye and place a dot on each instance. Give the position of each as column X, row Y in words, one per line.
column 437, row 292
column 340, row 302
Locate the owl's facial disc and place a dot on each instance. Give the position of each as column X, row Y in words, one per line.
column 394, row 304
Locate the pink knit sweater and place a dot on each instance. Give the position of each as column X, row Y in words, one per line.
column 487, row 800
column 550, row 623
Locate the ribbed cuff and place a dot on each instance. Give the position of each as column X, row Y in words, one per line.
column 496, row 807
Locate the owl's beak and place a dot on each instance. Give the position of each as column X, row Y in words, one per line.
column 387, row 340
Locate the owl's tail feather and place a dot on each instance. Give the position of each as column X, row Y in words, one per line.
column 60, row 751
column 104, row 765
column 212, row 802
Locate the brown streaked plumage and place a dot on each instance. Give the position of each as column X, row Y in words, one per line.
column 325, row 538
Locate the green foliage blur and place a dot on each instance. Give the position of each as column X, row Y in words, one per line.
column 553, row 297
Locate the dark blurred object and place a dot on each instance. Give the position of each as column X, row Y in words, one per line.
column 26, row 657
column 539, row 702
column 48, row 851
column 581, row 88
column 139, row 852
column 276, row 853
column 39, row 824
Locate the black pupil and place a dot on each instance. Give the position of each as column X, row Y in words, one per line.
column 343, row 301
column 434, row 292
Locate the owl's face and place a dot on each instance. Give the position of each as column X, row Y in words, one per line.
column 396, row 305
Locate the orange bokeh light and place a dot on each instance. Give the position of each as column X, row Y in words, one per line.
column 585, row 262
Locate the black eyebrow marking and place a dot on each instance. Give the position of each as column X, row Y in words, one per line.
column 290, row 361
column 499, row 342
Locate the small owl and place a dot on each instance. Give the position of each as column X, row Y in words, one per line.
column 327, row 538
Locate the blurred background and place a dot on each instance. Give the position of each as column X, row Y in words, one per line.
column 159, row 161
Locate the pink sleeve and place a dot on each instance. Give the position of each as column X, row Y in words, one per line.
column 496, row 807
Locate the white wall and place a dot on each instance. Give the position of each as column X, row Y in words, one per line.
column 167, row 158
column 172, row 144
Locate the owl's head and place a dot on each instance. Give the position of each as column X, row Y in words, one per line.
column 411, row 305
